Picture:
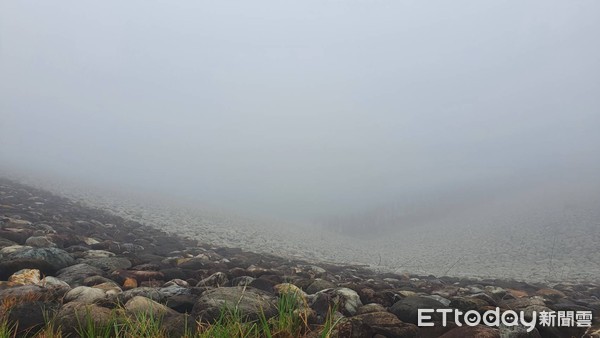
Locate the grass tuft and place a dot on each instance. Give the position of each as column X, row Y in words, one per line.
column 7, row 330
column 291, row 321
column 90, row 328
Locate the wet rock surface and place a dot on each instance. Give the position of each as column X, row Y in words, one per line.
column 57, row 256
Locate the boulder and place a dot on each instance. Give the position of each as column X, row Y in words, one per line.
column 345, row 300
column 216, row 279
column 110, row 288
column 17, row 235
column 39, row 242
column 368, row 308
column 75, row 317
column 174, row 290
column 30, row 316
column 47, row 260
column 467, row 303
column 182, row 303
column 95, row 280
column 6, row 242
column 91, row 254
column 25, row 277
column 151, row 293
column 518, row 331
column 174, row 323
column 53, row 282
column 479, row 331
column 84, row 294
column 250, row 302
column 142, row 305
column 407, row 309
column 140, row 276
column 74, row 275
column 319, row 285
column 263, row 284
column 109, row 264
column 24, row 293
column 377, row 323
column 242, row 281
column 192, row 263
column 440, row 299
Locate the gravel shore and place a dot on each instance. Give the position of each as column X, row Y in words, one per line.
column 556, row 245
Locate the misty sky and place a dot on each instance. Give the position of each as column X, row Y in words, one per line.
column 305, row 108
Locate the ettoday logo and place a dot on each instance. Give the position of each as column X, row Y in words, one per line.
column 509, row 318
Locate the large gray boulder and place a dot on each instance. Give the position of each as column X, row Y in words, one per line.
column 74, row 275
column 47, row 260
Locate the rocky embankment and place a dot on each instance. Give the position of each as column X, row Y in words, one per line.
column 58, row 257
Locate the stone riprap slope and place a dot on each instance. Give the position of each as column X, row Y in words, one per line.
column 533, row 236
column 58, row 257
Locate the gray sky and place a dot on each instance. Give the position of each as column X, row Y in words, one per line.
column 301, row 109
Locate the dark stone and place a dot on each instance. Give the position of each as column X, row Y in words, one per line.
column 193, row 264
column 6, row 242
column 181, row 303
column 109, row 264
column 18, row 237
column 318, row 285
column 250, row 302
column 71, row 316
column 382, row 323
column 74, row 275
column 176, row 273
column 31, row 316
column 466, row 303
column 407, row 309
column 479, row 331
column 146, row 267
column 263, row 284
column 47, row 260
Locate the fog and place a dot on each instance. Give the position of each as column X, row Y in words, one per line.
column 329, row 112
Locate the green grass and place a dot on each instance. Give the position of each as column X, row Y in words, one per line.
column 7, row 330
column 146, row 325
column 229, row 324
column 87, row 327
column 290, row 321
column 330, row 322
